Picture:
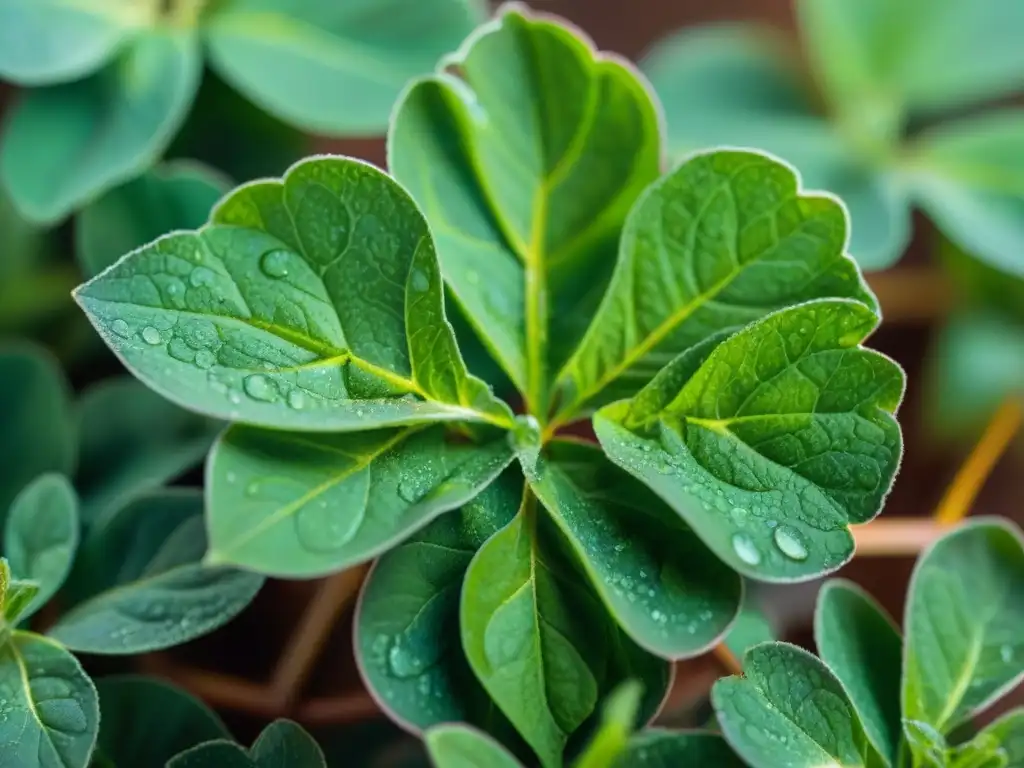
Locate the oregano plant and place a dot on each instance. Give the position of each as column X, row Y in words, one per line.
column 704, row 318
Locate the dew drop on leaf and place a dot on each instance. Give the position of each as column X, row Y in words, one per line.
column 296, row 399
column 259, row 387
column 205, row 359
column 745, row 549
column 274, row 264
column 404, row 662
column 409, row 490
column 201, row 276
column 790, row 543
column 120, row 327
column 151, row 335
column 419, row 281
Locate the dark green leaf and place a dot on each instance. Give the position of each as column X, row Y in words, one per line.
column 659, row 748
column 862, row 647
column 178, row 195
column 65, row 144
column 725, row 239
column 150, row 590
column 407, row 619
column 146, row 722
column 213, row 754
column 659, row 581
column 38, row 426
column 301, row 504
column 333, row 68
column 310, row 303
column 788, row 709
column 133, row 441
column 964, row 623
column 526, row 164
column 772, row 442
column 284, row 744
column 51, row 41
column 460, row 746
column 50, row 708
column 41, row 536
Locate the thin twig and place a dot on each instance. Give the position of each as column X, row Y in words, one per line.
column 217, row 690
column 975, row 471
column 331, row 710
column 728, row 659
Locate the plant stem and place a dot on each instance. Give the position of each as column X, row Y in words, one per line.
column 972, row 475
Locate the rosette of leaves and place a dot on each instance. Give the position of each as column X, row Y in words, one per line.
column 866, row 121
column 876, row 699
column 109, row 83
column 709, row 316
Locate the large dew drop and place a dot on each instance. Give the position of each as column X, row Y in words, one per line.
column 790, row 543
column 745, row 549
column 274, row 264
column 151, row 335
column 259, row 387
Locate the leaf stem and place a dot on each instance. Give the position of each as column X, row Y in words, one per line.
column 1005, row 423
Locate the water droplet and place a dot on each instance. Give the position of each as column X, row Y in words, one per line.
column 404, row 661
column 297, row 399
column 739, row 514
column 253, row 488
column 201, row 276
column 151, row 335
column 120, row 327
column 790, row 543
column 409, row 490
column 205, row 359
column 231, row 477
column 259, row 387
column 745, row 549
column 419, row 281
column 1006, row 653
column 274, row 264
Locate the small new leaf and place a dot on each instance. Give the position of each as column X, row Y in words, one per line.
column 282, row 744
column 771, row 442
column 461, row 746
column 312, row 303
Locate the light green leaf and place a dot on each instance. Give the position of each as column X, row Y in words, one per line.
column 311, row 303
column 284, row 744
column 618, row 719
column 43, row 42
column 38, row 425
column 301, row 505
column 926, row 745
column 659, row 581
column 407, row 618
column 735, row 85
column 146, row 721
column 41, row 536
column 149, row 589
column 660, row 748
column 919, row 54
column 66, row 144
column 771, row 442
column 133, row 441
column 460, row 746
column 751, row 626
column 525, row 166
column 964, row 623
column 723, row 240
column 524, row 633
column 1002, row 739
column 788, row 709
column 51, row 711
column 177, row 195
column 969, row 177
column 328, row 67
column 17, row 596
column 862, row 647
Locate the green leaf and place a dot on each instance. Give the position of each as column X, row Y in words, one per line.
column 51, row 711
column 150, row 590
column 311, row 303
column 659, row 581
column 284, row 744
column 332, row 68
column 789, row 709
column 460, row 746
column 862, row 647
column 969, row 178
column 301, row 505
column 1004, row 737
column 736, row 85
column 41, row 536
column 917, row 54
column 926, row 745
column 146, row 722
column 618, row 719
column 964, row 623
column 38, row 426
column 723, row 240
column 525, row 166
column 43, row 42
column 660, row 748
column 176, row 195
column 750, row 628
column 525, row 635
column 771, row 442
column 407, row 618
column 213, row 754
column 133, row 441
column 18, row 596
column 66, row 144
